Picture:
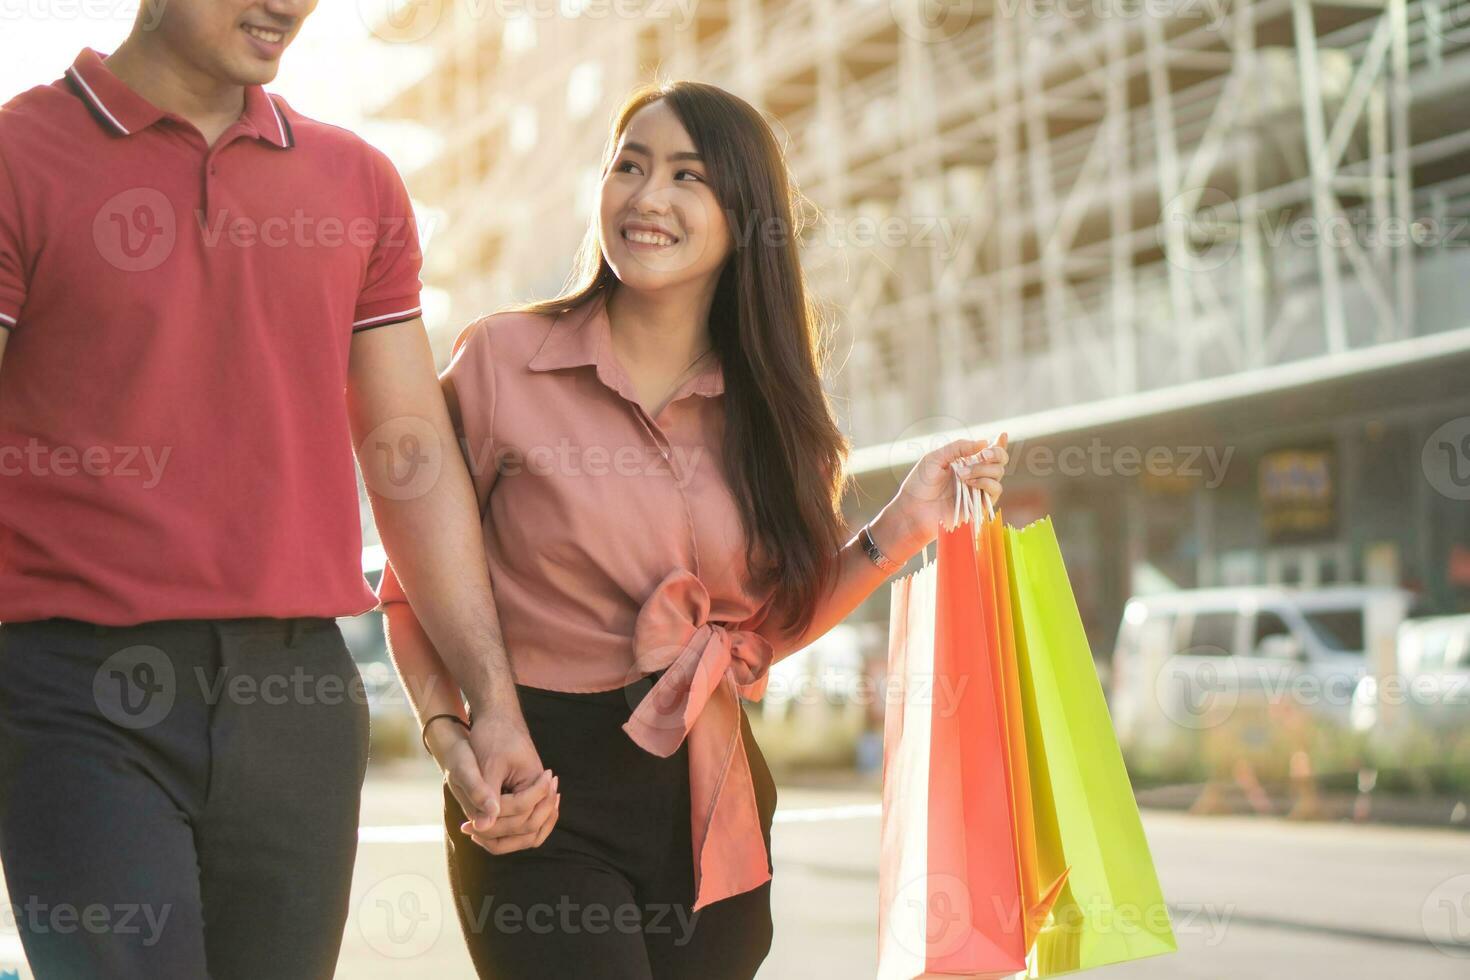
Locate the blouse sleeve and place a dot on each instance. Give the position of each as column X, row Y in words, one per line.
column 469, row 391
column 389, row 591
column 468, row 384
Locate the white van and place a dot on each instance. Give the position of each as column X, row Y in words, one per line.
column 1431, row 692
column 1186, row 660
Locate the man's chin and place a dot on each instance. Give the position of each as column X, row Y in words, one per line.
column 249, row 70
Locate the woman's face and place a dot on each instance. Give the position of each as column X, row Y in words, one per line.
column 661, row 225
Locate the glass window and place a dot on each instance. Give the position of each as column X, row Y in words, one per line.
column 1268, row 624
column 1340, row 630
column 1213, row 634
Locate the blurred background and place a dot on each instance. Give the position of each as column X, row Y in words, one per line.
column 1204, row 260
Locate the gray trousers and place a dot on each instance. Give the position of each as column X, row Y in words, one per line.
column 180, row 799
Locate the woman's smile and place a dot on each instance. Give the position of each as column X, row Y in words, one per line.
column 644, row 237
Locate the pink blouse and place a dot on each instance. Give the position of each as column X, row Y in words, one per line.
column 616, row 550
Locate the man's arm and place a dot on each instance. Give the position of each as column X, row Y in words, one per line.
column 427, row 516
column 424, row 504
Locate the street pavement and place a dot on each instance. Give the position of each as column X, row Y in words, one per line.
column 1249, row 897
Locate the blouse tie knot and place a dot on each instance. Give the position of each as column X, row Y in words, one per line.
column 707, row 668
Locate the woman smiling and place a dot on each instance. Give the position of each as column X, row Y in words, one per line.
column 639, row 602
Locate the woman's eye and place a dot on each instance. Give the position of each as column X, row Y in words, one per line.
column 690, row 173
column 623, row 167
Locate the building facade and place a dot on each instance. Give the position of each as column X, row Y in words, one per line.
column 1203, row 259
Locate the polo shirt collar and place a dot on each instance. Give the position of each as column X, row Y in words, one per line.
column 583, row 337
column 125, row 112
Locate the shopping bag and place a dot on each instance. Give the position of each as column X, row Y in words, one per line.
column 1042, row 873
column 1085, row 815
column 960, row 886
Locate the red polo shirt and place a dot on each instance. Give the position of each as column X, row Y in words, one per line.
column 174, row 440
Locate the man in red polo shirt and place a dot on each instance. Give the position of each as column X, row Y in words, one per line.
column 205, row 300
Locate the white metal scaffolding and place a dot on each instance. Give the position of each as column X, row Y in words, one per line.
column 1027, row 204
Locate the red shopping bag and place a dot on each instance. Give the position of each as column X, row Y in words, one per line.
column 959, row 887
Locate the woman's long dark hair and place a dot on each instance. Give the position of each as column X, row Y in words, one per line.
column 783, row 449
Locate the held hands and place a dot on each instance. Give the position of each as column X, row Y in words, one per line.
column 495, row 774
column 927, row 495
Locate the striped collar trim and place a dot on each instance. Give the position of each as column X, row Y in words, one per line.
column 124, row 112
column 264, row 112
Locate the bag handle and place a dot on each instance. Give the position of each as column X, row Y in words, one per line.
column 967, row 499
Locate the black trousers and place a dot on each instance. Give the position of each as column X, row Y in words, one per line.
column 179, row 800
column 609, row 894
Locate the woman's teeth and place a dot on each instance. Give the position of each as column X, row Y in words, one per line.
column 648, row 238
column 270, row 37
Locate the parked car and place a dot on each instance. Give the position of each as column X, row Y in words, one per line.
column 1431, row 682
column 821, row 700
column 1190, row 661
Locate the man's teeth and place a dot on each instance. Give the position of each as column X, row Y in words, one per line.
column 648, row 238
column 270, row 37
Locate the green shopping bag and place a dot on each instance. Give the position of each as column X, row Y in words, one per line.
column 1111, row 909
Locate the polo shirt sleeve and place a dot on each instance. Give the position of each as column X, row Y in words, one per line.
column 12, row 264
column 391, row 286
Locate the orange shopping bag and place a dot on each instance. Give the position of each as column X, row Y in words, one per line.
column 960, row 888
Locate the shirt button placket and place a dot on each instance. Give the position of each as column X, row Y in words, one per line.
column 210, row 170
column 661, row 441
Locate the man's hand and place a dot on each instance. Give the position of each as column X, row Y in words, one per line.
column 526, row 818
column 508, row 759
column 522, row 812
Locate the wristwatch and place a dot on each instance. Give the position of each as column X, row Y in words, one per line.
column 875, row 554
